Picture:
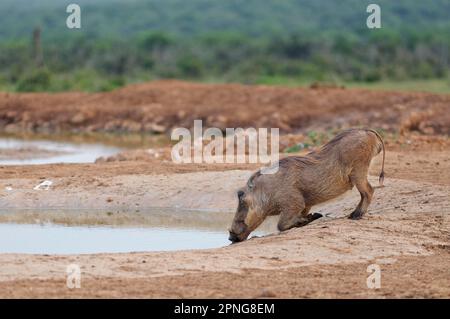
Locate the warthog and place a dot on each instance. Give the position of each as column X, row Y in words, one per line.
column 304, row 181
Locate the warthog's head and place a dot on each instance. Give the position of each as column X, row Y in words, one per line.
column 248, row 217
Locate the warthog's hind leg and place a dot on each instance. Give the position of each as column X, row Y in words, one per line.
column 366, row 192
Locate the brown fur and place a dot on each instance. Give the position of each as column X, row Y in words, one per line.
column 304, row 181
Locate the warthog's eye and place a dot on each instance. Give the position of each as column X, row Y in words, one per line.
column 240, row 194
column 238, row 228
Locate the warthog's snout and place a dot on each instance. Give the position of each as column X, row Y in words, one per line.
column 238, row 231
column 237, row 236
column 233, row 238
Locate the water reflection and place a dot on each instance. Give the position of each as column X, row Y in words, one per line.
column 15, row 151
column 77, row 232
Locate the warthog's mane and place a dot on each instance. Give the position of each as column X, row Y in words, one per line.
column 319, row 155
column 325, row 152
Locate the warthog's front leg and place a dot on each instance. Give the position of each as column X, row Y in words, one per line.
column 295, row 214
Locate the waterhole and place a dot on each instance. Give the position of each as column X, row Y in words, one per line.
column 16, row 151
column 84, row 232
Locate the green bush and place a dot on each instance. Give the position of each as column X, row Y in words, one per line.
column 190, row 66
column 37, row 80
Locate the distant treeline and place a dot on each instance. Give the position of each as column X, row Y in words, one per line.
column 250, row 41
column 103, row 64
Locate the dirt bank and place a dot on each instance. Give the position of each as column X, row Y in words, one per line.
column 159, row 106
column 402, row 277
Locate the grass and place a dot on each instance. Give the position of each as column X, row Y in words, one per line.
column 89, row 81
column 432, row 85
column 426, row 85
column 311, row 140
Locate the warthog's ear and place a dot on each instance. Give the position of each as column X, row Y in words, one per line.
column 251, row 183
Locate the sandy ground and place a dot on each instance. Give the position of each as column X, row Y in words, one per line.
column 156, row 183
column 407, row 233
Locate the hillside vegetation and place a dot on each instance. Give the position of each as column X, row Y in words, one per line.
column 250, row 41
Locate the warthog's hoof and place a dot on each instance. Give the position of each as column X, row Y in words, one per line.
column 355, row 215
column 316, row 216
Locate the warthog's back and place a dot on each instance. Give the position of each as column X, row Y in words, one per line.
column 325, row 173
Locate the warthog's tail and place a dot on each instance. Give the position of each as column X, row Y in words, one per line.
column 381, row 179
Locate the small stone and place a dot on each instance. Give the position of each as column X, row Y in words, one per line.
column 266, row 293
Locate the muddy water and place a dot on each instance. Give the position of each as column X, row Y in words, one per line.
column 79, row 232
column 14, row 151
